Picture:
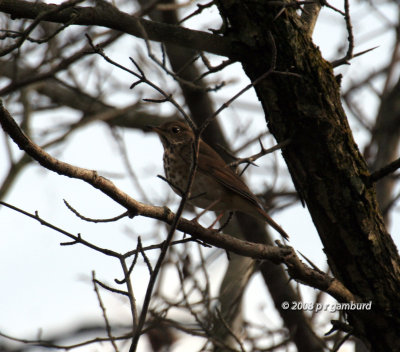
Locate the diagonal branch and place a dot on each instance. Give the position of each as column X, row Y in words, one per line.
column 384, row 171
column 25, row 35
column 103, row 310
column 282, row 254
column 106, row 15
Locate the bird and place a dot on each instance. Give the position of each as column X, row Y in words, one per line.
column 215, row 185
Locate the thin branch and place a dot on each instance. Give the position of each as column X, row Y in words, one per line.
column 325, row 3
column 230, row 331
column 111, row 289
column 143, row 253
column 213, row 69
column 172, row 185
column 142, row 79
column 131, row 295
column 76, row 238
column 200, row 8
column 296, row 4
column 158, row 246
column 162, row 64
column 350, row 38
column 109, row 16
column 231, row 100
column 103, row 309
column 29, row 76
column 165, row 246
column 128, row 272
column 118, row 217
column 40, row 17
column 49, row 344
column 338, row 325
column 245, row 89
column 262, row 152
column 280, row 254
column 131, row 172
column 344, row 60
column 311, row 263
column 385, row 171
column 341, row 342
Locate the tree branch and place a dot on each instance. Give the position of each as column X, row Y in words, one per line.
column 106, row 15
column 282, row 254
column 385, row 171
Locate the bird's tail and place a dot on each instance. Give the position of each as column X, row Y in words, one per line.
column 262, row 215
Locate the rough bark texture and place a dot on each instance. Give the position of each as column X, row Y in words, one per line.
column 329, row 173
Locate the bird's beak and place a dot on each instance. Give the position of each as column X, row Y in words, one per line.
column 155, row 129
column 150, row 128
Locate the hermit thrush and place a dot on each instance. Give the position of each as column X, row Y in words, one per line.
column 215, row 186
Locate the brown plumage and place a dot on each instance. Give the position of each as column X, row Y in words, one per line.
column 215, row 186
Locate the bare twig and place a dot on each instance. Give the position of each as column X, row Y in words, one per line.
column 262, row 152
column 162, row 64
column 116, row 218
column 121, row 21
column 128, row 272
column 111, row 289
column 200, row 8
column 76, row 238
column 49, row 344
column 342, row 61
column 245, row 89
column 350, row 38
column 225, row 224
column 385, row 171
column 143, row 253
column 213, row 69
column 311, row 263
column 325, row 3
column 103, row 309
column 164, row 248
column 38, row 19
column 230, row 331
column 158, row 246
column 142, row 79
column 131, row 295
column 131, row 172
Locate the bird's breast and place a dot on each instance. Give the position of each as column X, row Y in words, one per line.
column 204, row 191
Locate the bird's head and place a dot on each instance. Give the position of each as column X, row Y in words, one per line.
column 174, row 133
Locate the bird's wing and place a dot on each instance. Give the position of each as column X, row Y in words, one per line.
column 211, row 163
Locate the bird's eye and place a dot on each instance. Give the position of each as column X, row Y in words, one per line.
column 175, row 129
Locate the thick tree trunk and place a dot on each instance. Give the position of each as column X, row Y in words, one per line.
column 326, row 166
